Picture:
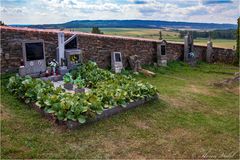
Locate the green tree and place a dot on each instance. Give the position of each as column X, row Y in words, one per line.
column 238, row 39
column 1, row 23
column 160, row 35
column 96, row 30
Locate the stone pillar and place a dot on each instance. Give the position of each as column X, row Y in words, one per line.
column 188, row 47
column 60, row 47
column 209, row 51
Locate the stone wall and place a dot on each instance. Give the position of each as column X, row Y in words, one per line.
column 99, row 48
column 96, row 47
column 220, row 55
column 224, row 55
column 174, row 51
column 11, row 46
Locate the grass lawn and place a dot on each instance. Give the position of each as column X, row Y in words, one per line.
column 154, row 34
column 192, row 119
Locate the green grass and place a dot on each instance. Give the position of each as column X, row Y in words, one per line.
column 169, row 35
column 192, row 119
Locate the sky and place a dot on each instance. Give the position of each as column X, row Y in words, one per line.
column 60, row 11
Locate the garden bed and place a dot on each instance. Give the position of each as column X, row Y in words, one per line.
column 107, row 94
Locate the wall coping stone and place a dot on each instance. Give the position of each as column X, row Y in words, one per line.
column 55, row 31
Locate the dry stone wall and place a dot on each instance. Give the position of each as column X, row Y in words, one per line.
column 96, row 47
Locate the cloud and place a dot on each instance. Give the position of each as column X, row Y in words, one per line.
column 4, row 10
column 13, row 11
column 72, row 3
column 39, row 11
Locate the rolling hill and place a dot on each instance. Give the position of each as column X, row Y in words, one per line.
column 134, row 24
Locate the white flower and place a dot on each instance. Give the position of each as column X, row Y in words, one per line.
column 53, row 63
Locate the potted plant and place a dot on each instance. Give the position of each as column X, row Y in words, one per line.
column 68, row 81
column 80, row 83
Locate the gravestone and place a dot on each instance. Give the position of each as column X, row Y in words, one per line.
column 135, row 63
column 73, row 57
column 116, row 62
column 33, row 57
column 72, row 52
column 189, row 55
column 68, row 53
column 60, row 54
column 61, row 48
column 161, row 53
column 188, row 47
column 209, row 51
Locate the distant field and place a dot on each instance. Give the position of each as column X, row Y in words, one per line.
column 154, row 34
column 225, row 43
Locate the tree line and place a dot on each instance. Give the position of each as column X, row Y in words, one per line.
column 2, row 23
column 216, row 34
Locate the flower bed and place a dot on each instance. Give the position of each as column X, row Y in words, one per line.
column 107, row 92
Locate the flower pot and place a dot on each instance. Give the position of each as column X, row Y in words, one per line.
column 68, row 86
column 22, row 71
column 63, row 70
column 48, row 71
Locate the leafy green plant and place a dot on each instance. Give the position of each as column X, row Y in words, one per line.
column 91, row 74
column 79, row 82
column 67, row 78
